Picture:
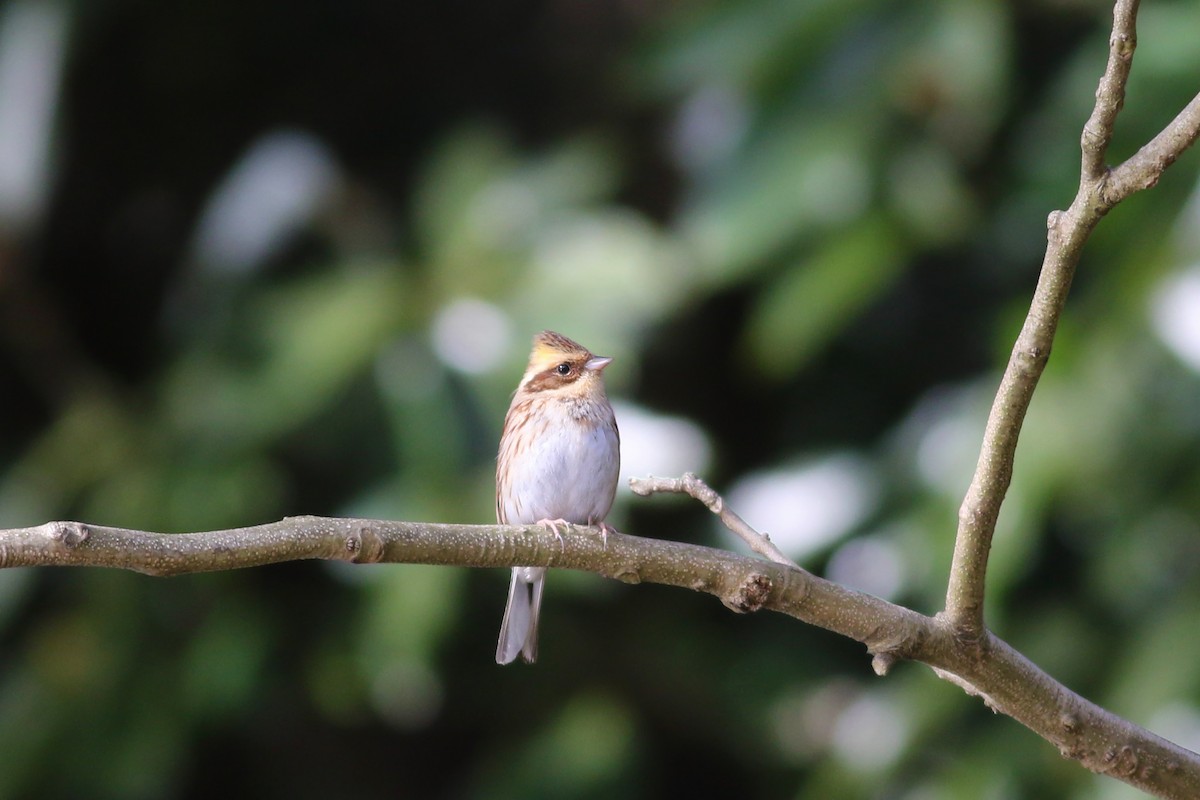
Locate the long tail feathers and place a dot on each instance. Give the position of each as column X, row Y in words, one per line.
column 519, row 630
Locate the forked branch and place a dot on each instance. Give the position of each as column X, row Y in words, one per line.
column 1099, row 190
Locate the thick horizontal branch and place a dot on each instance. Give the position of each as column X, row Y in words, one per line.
column 742, row 583
column 1006, row 680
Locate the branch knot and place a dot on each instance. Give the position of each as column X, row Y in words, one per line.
column 364, row 546
column 1121, row 760
column 751, row 595
column 69, row 534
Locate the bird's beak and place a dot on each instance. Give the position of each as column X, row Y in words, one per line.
column 597, row 363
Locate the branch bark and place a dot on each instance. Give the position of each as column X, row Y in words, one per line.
column 1005, row 679
column 1099, row 190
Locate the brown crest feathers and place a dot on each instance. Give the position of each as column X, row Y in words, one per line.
column 550, row 342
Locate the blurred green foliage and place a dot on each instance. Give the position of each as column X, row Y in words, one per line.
column 288, row 262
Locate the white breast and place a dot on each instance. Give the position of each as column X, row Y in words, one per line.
column 568, row 472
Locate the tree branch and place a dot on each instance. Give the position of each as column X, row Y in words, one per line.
column 1099, row 190
column 1110, row 94
column 1146, row 166
column 1006, row 680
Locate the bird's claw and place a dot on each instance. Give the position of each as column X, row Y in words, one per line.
column 605, row 529
column 552, row 526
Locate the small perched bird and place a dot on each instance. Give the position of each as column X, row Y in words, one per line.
column 558, row 462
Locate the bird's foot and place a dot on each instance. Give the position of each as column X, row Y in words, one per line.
column 605, row 530
column 552, row 526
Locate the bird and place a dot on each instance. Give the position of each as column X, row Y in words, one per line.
column 557, row 465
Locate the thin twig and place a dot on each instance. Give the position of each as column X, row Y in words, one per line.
column 1143, row 169
column 1110, row 94
column 693, row 485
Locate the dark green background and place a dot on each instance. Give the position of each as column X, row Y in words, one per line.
column 807, row 231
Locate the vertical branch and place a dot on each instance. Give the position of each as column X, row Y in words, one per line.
column 1110, row 94
column 1068, row 231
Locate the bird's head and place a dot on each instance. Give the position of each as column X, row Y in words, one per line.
column 560, row 365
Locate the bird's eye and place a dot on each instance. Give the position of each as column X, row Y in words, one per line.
column 563, row 369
